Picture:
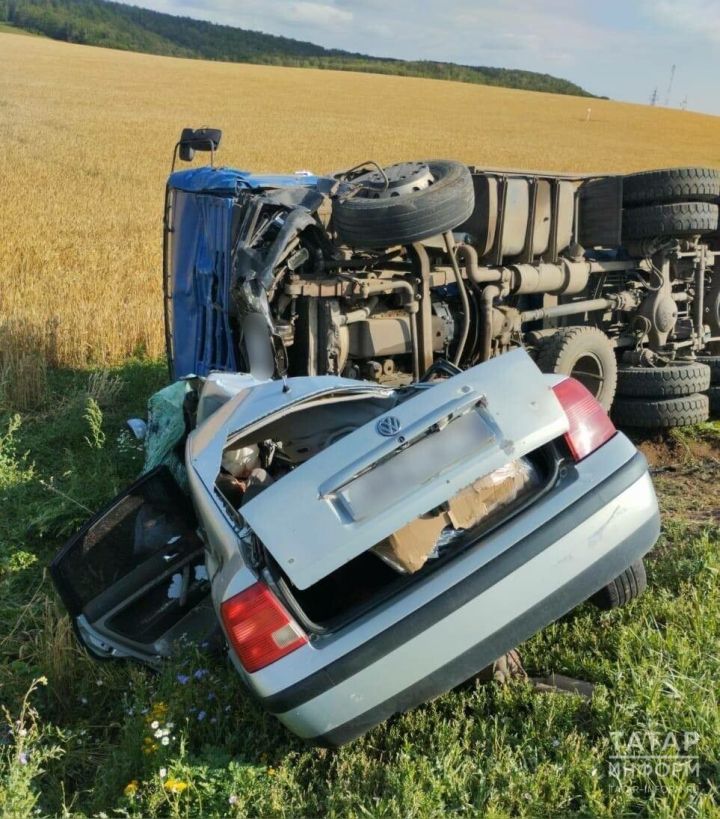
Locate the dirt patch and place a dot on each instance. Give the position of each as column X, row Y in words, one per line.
column 690, row 493
column 673, row 449
column 685, row 466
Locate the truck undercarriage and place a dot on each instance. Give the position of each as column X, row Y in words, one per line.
column 379, row 273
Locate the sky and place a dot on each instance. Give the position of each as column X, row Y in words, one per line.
column 623, row 49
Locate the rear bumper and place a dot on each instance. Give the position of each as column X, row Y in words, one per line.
column 542, row 576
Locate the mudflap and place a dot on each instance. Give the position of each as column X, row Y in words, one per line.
column 133, row 578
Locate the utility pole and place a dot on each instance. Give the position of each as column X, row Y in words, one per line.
column 653, row 97
column 670, row 85
column 684, row 104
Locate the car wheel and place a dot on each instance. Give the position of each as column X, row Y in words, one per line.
column 679, row 219
column 662, row 413
column 624, row 588
column 408, row 202
column 586, row 354
column 671, row 185
column 672, row 381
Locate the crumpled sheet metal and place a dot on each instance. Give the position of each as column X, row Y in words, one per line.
column 214, row 274
column 254, row 268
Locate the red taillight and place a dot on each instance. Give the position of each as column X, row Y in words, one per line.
column 259, row 628
column 590, row 426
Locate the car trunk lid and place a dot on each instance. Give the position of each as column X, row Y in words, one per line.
column 403, row 464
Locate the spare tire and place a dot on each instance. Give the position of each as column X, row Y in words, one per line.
column 671, row 185
column 680, row 219
column 661, row 414
column 380, row 218
column 672, row 381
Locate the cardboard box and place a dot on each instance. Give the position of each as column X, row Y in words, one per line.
column 407, row 550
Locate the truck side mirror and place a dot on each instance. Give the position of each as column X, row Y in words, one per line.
column 197, row 139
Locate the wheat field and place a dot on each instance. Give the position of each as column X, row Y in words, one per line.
column 87, row 135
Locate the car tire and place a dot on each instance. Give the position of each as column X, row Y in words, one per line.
column 585, row 353
column 662, row 413
column 672, row 381
column 625, row 587
column 410, row 216
column 671, row 185
column 679, row 219
column 714, row 398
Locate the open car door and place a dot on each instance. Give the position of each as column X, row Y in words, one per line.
column 134, row 578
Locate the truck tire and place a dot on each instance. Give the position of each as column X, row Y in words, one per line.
column 624, row 588
column 661, row 413
column 712, row 361
column 712, row 310
column 672, row 381
column 679, row 219
column 585, row 353
column 409, row 216
column 714, row 397
column 671, row 185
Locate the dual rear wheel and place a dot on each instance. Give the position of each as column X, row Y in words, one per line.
column 662, row 397
column 678, row 202
column 713, row 362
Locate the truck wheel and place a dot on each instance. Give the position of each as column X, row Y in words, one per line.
column 671, row 185
column 679, row 219
column 712, row 310
column 662, row 413
column 672, row 381
column 421, row 200
column 714, row 398
column 626, row 587
column 712, row 361
column 585, row 353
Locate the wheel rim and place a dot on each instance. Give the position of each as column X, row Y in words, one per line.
column 397, row 180
column 588, row 370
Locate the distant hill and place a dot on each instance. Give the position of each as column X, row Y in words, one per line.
column 115, row 25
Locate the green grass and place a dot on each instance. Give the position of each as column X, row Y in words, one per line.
column 72, row 746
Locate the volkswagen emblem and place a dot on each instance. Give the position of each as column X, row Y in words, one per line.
column 388, row 426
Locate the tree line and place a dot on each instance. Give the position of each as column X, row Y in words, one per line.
column 114, row 25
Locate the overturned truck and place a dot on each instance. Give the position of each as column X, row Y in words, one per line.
column 378, row 273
